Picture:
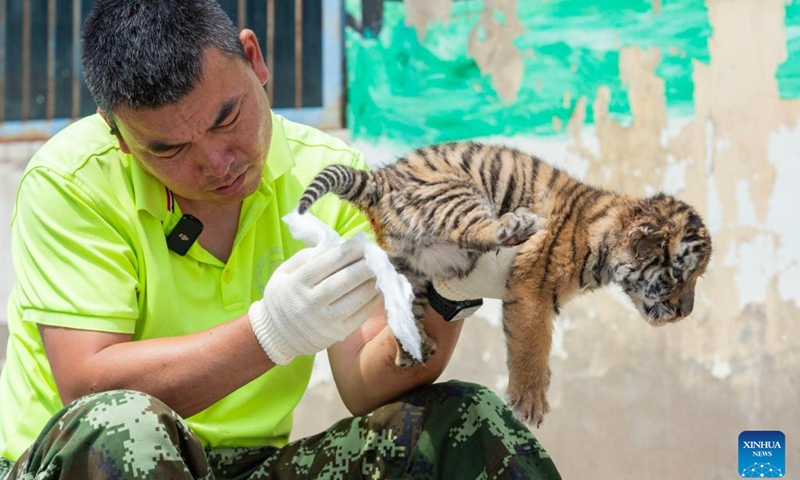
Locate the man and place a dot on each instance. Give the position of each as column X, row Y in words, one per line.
column 131, row 356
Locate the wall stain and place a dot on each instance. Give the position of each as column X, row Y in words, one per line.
column 491, row 44
column 738, row 109
column 421, row 14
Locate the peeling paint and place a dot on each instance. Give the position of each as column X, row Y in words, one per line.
column 673, row 130
column 723, row 169
column 784, row 155
column 560, row 328
column 443, row 70
column 420, row 14
column 721, row 369
column 656, row 6
column 674, row 179
column 491, row 44
column 746, row 209
column 755, row 264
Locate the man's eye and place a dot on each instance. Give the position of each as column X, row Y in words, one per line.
column 168, row 154
column 230, row 121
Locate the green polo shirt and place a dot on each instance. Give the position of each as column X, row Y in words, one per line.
column 89, row 252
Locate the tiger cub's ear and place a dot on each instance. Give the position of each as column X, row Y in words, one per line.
column 645, row 236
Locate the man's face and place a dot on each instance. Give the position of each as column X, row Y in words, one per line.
column 211, row 146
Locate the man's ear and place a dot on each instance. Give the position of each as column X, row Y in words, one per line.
column 114, row 130
column 252, row 51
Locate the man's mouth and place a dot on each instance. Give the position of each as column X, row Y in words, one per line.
column 233, row 186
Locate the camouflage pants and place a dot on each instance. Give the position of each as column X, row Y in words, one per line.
column 451, row 430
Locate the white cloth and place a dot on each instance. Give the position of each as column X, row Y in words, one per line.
column 397, row 292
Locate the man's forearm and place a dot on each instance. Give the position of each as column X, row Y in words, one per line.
column 188, row 373
column 364, row 364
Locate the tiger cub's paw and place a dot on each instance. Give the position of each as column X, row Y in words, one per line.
column 529, row 402
column 516, row 227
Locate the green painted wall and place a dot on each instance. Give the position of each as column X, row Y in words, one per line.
column 789, row 73
column 416, row 93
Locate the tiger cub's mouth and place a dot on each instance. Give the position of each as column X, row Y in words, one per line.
column 662, row 313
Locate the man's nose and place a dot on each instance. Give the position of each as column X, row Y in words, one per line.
column 218, row 160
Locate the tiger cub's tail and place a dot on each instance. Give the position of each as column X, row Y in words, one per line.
column 358, row 187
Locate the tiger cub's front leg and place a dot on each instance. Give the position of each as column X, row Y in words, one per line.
column 528, row 322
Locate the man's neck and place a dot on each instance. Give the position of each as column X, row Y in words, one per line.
column 220, row 224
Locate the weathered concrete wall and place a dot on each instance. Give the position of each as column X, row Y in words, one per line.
column 630, row 401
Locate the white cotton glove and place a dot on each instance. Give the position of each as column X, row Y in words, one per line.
column 487, row 280
column 313, row 300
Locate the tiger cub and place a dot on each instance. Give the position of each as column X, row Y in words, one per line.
column 438, row 209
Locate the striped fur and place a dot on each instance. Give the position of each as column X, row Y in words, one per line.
column 437, row 209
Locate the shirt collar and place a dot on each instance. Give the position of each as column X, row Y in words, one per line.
column 150, row 194
column 280, row 159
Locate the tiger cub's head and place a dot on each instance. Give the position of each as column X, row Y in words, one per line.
column 665, row 248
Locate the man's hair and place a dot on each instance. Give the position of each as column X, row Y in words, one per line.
column 149, row 53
